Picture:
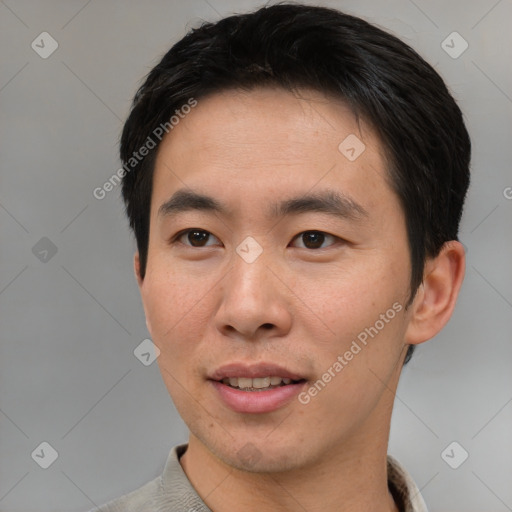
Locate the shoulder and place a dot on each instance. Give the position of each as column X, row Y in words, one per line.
column 167, row 492
column 140, row 500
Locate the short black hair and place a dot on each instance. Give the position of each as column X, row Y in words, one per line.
column 294, row 47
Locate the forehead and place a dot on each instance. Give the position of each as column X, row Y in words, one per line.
column 251, row 145
column 271, row 118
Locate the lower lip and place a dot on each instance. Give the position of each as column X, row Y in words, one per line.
column 257, row 401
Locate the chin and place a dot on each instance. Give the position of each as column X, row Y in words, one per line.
column 258, row 456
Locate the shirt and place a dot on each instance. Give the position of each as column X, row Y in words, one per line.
column 173, row 492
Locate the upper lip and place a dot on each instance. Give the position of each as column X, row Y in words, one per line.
column 253, row 371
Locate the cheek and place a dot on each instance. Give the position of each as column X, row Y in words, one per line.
column 168, row 292
column 355, row 366
column 343, row 301
column 176, row 305
column 177, row 312
column 358, row 313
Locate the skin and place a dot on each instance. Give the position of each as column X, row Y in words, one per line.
column 297, row 306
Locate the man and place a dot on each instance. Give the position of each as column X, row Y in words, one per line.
column 295, row 179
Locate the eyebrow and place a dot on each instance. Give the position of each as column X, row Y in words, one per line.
column 327, row 201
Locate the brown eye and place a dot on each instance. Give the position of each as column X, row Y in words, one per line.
column 313, row 239
column 195, row 237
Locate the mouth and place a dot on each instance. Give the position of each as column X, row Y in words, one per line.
column 260, row 388
column 258, row 384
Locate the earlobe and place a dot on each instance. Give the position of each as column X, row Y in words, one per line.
column 435, row 301
column 136, row 268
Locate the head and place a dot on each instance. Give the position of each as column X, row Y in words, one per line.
column 280, row 117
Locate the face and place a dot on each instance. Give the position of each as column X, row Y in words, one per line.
column 318, row 290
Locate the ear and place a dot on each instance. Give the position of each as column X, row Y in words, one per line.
column 435, row 299
column 136, row 268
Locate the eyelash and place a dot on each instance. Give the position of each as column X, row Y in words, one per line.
column 176, row 238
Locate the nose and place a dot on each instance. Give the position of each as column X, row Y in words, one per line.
column 254, row 301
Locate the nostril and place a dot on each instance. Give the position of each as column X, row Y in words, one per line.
column 267, row 326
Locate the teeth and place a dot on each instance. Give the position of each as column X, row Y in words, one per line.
column 262, row 382
column 257, row 383
column 244, row 383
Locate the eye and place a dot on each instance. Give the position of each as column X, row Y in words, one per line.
column 314, row 239
column 195, row 237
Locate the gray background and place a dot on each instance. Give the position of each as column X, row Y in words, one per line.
column 70, row 324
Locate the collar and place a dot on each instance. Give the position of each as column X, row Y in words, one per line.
column 403, row 488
